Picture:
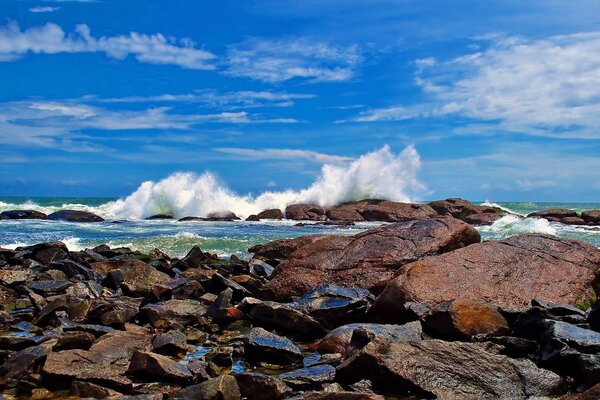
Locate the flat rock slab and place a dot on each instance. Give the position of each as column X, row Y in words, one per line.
column 508, row 273
column 448, row 370
column 368, row 260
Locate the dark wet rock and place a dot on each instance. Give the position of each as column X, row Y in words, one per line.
column 74, row 269
column 222, row 388
column 96, row 330
column 339, row 340
column 461, row 319
column 260, row 268
column 21, row 364
column 136, row 277
column 368, row 260
column 253, row 218
column 171, row 342
column 591, row 217
column 23, row 214
column 309, row 377
column 558, row 310
column 16, row 343
column 264, row 346
column 90, row 390
column 593, row 318
column 448, row 370
column 190, row 218
column 75, row 216
column 592, row 393
column 173, row 313
column 160, row 216
column 222, row 216
column 558, row 213
column 308, row 212
column 333, row 305
column 584, row 340
column 278, row 250
column 507, row 273
column 218, row 283
column 336, row 396
column 104, row 364
column 261, row 387
column 74, row 340
column 285, row 317
column 220, row 308
column 196, row 258
column 47, row 288
column 44, row 253
column 114, row 311
column 274, row 213
column 156, row 366
column 573, row 221
column 589, row 368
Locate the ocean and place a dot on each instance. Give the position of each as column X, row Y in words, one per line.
column 224, row 238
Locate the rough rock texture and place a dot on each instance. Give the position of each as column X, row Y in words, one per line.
column 380, row 210
column 222, row 388
column 309, row 212
column 261, row 387
column 463, row 319
column 368, row 260
column 75, row 216
column 466, row 211
column 264, row 346
column 274, row 213
column 591, row 216
column 449, row 370
column 23, row 214
column 278, row 250
column 157, row 366
column 137, row 278
column 508, row 273
column 554, row 213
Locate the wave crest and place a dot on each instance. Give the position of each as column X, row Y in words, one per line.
column 380, row 174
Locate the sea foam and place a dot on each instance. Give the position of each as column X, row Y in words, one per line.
column 379, row 174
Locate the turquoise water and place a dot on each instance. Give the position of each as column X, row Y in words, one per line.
column 226, row 238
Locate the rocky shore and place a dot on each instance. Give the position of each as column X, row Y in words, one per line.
column 419, row 308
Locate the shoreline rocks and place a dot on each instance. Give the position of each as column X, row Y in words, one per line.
column 456, row 318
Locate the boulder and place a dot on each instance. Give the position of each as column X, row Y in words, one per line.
column 309, row 212
column 507, row 273
column 337, row 396
column 591, row 216
column 171, row 342
column 553, row 213
column 463, row 319
column 264, row 346
column 221, row 216
column 75, row 216
column 22, row 363
column 274, row 213
column 44, row 253
column 261, row 387
column 333, row 305
column 310, row 377
column 278, row 250
column 222, row 388
column 174, row 313
column 196, row 258
column 284, row 317
column 138, row 279
column 253, row 217
column 466, row 211
column 368, row 260
column 159, row 216
column 339, row 340
column 23, row 214
column 74, row 340
column 157, row 367
column 380, row 210
column 447, row 370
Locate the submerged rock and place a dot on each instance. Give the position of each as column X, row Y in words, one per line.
column 507, row 273
column 75, row 216
column 23, row 214
column 368, row 260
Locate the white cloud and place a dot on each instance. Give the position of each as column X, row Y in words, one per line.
column 278, row 60
column 54, row 124
column 214, row 98
column 51, row 39
column 43, row 9
column 546, row 87
column 262, row 154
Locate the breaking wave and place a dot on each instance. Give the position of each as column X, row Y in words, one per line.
column 380, row 174
column 511, row 225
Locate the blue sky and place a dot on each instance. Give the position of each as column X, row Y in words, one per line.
column 500, row 99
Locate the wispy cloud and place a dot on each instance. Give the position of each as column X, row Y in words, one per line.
column 55, row 124
column 152, row 49
column 266, row 154
column 213, row 98
column 547, row 87
column 43, row 9
column 278, row 60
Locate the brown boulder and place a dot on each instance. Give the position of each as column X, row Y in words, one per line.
column 274, row 213
column 466, row 211
column 278, row 250
column 573, row 221
column 591, row 216
column 23, row 214
column 380, row 210
column 507, row 273
column 368, row 260
column 448, row 371
column 554, row 213
column 75, row 216
column 453, row 206
column 139, row 278
column 309, row 212
column 462, row 319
